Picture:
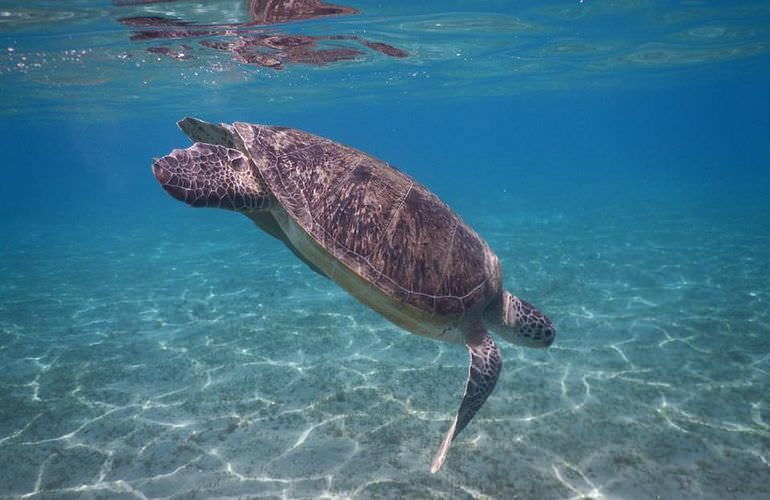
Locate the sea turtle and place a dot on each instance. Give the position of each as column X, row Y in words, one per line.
column 375, row 231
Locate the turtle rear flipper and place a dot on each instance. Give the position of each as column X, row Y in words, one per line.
column 208, row 175
column 483, row 370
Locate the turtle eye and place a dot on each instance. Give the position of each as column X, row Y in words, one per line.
column 550, row 335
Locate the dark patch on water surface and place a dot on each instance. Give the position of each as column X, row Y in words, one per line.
column 140, row 2
column 170, row 52
column 260, row 48
column 278, row 11
column 146, row 21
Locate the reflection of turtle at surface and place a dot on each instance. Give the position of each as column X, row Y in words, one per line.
column 281, row 11
column 271, row 50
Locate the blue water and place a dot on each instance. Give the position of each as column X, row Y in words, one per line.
column 614, row 155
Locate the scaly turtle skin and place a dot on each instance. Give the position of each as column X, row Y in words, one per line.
column 372, row 229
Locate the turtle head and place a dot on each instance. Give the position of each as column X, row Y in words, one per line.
column 518, row 322
column 213, row 172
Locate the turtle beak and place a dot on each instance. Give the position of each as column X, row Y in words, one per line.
column 161, row 174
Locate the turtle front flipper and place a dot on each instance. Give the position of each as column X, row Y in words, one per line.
column 210, row 133
column 208, row 175
column 483, row 370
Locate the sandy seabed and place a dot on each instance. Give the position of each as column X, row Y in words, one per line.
column 201, row 360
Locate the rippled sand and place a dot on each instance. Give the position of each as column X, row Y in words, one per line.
column 192, row 357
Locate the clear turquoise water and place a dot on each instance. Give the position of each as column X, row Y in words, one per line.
column 615, row 156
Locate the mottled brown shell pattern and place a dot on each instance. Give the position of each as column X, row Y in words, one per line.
column 377, row 221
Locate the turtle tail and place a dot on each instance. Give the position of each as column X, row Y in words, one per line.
column 208, row 175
